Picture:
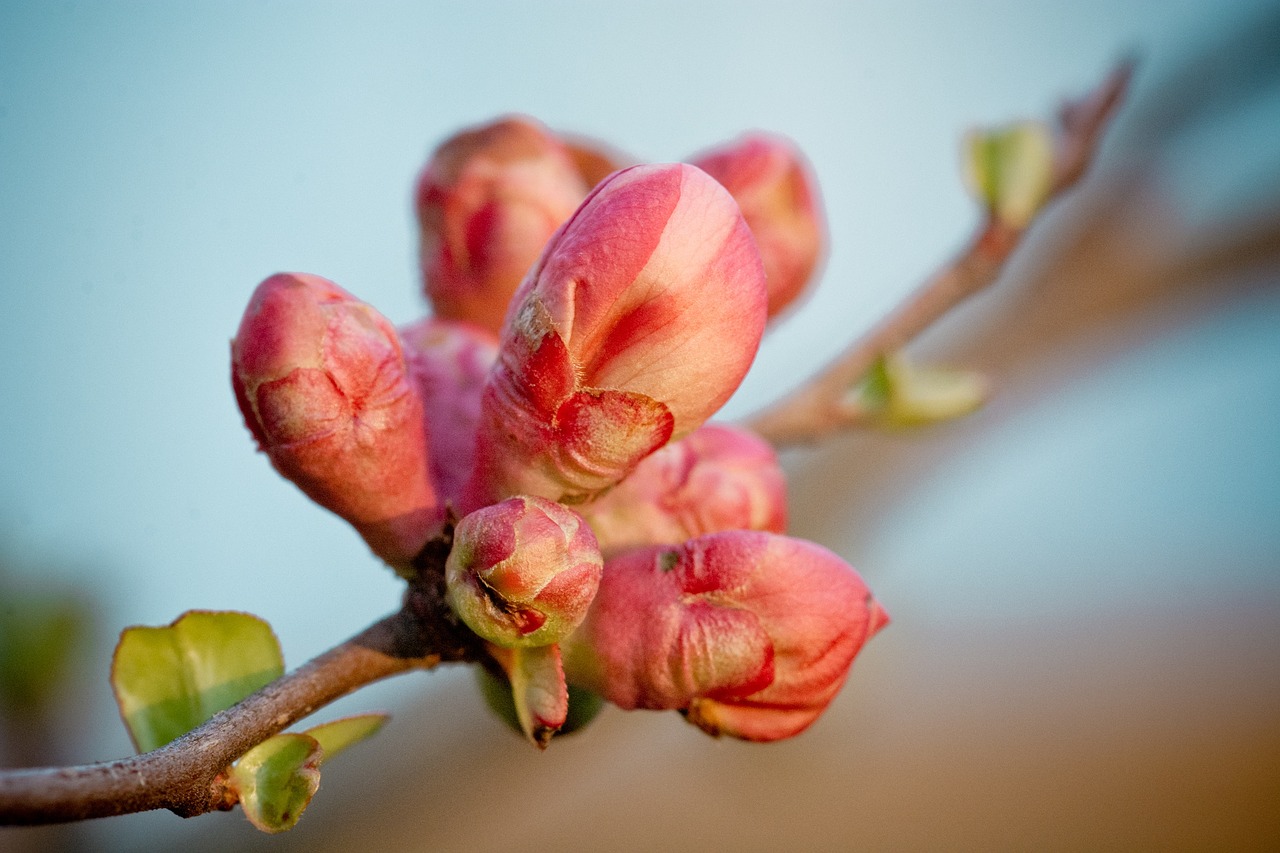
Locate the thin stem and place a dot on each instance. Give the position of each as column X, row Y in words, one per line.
column 822, row 406
column 187, row 776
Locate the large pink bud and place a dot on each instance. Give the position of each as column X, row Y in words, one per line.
column 638, row 322
column 522, row 572
column 487, row 201
column 449, row 362
column 717, row 478
column 749, row 634
column 772, row 183
column 323, row 386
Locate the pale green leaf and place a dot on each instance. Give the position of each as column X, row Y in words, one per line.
column 1011, row 170
column 897, row 393
column 336, row 736
column 169, row 680
column 276, row 780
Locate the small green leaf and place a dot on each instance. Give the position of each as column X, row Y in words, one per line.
column 336, row 736
column 1010, row 170
column 169, row 680
column 276, row 780
column 897, row 393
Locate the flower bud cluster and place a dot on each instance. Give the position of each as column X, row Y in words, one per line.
column 586, row 324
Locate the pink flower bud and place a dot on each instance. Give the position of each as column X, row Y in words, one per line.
column 322, row 383
column 638, row 322
column 717, row 478
column 779, row 199
column 449, row 362
column 522, row 572
column 749, row 634
column 487, row 202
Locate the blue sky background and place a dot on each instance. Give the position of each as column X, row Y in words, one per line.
column 157, row 160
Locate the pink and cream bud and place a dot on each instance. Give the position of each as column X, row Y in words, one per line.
column 771, row 181
column 638, row 322
column 487, row 202
column 522, row 573
column 749, row 634
column 322, row 383
column 717, row 478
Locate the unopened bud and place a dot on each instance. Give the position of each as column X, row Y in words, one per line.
column 638, row 322
column 487, row 201
column 522, row 572
column 322, row 383
column 717, row 478
column 449, row 362
column 749, row 634
column 772, row 183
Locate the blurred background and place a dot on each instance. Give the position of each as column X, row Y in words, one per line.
column 1084, row 576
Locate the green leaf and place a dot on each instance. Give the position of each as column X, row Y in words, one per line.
column 167, row 681
column 897, row 393
column 336, row 736
column 276, row 780
column 1010, row 170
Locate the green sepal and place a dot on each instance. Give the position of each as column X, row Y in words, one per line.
column 1010, row 170
column 338, row 735
column 276, row 780
column 897, row 393
column 167, row 681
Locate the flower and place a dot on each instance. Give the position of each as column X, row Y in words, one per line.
column 749, row 634
column 637, row 323
column 449, row 361
column 771, row 181
column 487, row 201
column 522, row 572
column 719, row 477
column 322, row 383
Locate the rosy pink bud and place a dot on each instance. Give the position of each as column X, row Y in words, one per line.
column 749, row 634
column 772, row 183
column 487, row 202
column 638, row 322
column 522, row 572
column 449, row 362
column 717, row 478
column 322, row 383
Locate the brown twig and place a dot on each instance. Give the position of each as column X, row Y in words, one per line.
column 187, row 776
column 822, row 405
